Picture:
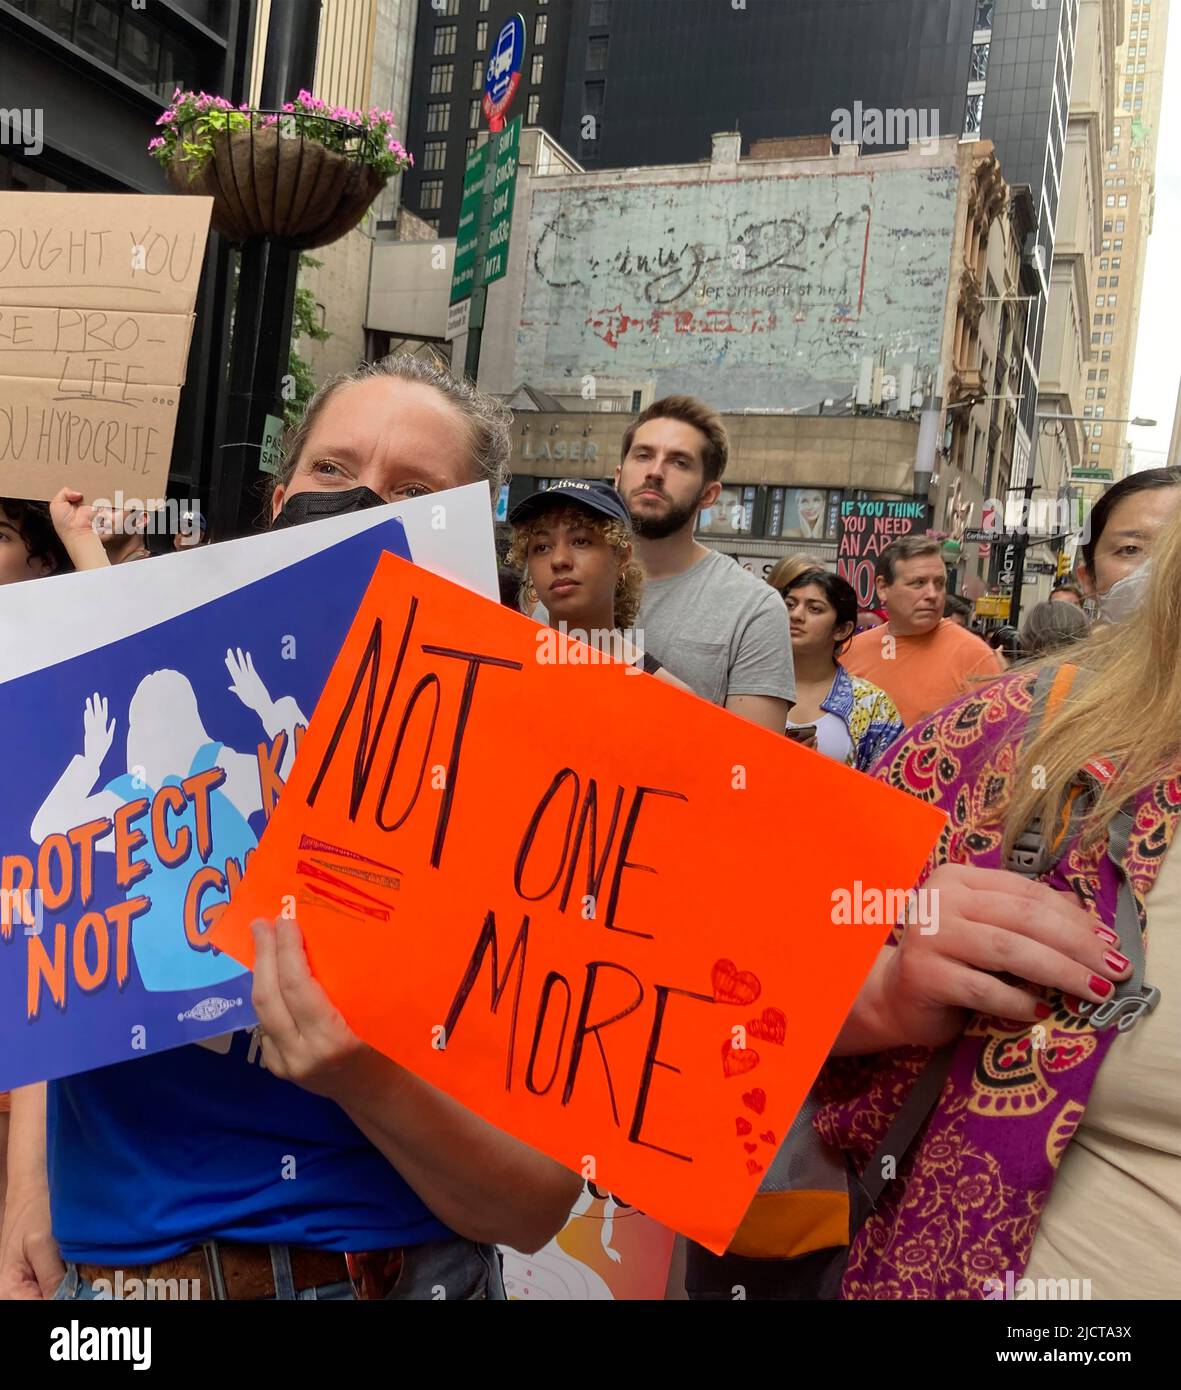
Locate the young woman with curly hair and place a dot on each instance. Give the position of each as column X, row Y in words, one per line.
column 574, row 545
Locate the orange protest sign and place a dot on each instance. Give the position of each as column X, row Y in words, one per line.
column 606, row 916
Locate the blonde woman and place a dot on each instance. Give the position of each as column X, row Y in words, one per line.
column 1054, row 1150
column 573, row 543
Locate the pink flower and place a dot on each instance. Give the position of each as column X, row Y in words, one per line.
column 288, row 106
column 166, row 117
column 156, row 143
column 245, row 106
column 176, row 96
column 271, row 120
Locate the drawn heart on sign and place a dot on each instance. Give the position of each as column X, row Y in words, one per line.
column 752, row 1167
column 755, row 1100
column 772, row 1027
column 742, row 1125
column 736, row 1060
column 768, row 1137
column 749, row 1147
column 734, row 986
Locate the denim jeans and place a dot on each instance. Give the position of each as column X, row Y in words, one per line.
column 442, row 1269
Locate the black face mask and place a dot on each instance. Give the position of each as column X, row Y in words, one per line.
column 311, row 506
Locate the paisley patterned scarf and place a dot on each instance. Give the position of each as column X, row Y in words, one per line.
column 970, row 1193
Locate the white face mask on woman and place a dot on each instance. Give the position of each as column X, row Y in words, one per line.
column 1126, row 595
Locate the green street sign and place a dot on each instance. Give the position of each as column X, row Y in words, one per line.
column 504, row 186
column 463, row 275
column 1093, row 475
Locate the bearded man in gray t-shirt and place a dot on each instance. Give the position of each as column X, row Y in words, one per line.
column 721, row 630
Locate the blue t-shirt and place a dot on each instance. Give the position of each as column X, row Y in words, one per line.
column 151, row 1157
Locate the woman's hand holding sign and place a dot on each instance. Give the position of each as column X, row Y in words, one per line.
column 456, row 1162
column 304, row 1038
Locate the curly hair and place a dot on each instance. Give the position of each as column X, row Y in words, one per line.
column 35, row 529
column 617, row 535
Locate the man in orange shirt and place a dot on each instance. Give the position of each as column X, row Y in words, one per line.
column 920, row 659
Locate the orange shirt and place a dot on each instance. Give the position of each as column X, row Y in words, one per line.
column 921, row 674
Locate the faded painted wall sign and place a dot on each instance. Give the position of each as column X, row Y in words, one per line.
column 785, row 282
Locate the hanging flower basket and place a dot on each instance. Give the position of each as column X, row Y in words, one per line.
column 303, row 176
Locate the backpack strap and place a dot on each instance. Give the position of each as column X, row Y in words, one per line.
column 904, row 1127
column 1133, row 998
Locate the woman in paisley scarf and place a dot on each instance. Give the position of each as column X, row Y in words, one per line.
column 1054, row 1150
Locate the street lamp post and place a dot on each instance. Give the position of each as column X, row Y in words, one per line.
column 1021, row 544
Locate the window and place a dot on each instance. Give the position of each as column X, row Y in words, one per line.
column 1111, row 298
column 1115, row 130
column 1107, row 246
column 984, row 10
column 596, row 53
column 1094, row 340
column 1100, row 300
column 473, row 114
column 1107, row 228
column 1109, row 321
column 1107, row 338
column 430, row 195
column 445, row 36
column 540, row 25
column 434, row 155
column 1110, row 200
column 973, row 114
column 1102, row 282
column 1094, row 448
column 534, row 107
column 469, row 145
column 537, row 71
column 478, row 72
column 442, row 75
column 979, row 69
column 1123, row 200
column 481, row 36
column 1115, row 260
column 483, row 6
column 1105, row 357
column 438, row 117
column 1114, row 279
column 1090, row 393
column 1119, row 245
column 1119, row 226
column 1097, row 430
column 1097, row 321
column 600, row 13
column 1103, row 374
column 1103, row 266
column 1102, row 395
column 1091, row 375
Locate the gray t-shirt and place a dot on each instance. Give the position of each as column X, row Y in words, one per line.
column 721, row 630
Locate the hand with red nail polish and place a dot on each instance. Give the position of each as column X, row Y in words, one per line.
column 994, row 931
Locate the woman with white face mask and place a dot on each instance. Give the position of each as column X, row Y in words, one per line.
column 1119, row 535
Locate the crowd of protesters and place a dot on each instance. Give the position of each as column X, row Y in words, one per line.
column 1031, row 1158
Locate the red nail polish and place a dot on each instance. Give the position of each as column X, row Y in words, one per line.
column 1115, row 960
column 1109, row 936
column 1042, row 1010
column 1098, row 985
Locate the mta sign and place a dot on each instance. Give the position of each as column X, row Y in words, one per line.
column 504, row 71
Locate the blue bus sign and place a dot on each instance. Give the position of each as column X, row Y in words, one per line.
column 504, row 71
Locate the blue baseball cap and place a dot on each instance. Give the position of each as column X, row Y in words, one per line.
column 593, row 494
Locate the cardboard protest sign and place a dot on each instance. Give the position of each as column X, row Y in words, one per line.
column 867, row 527
column 142, row 768
column 606, row 1250
column 608, row 937
column 96, row 314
